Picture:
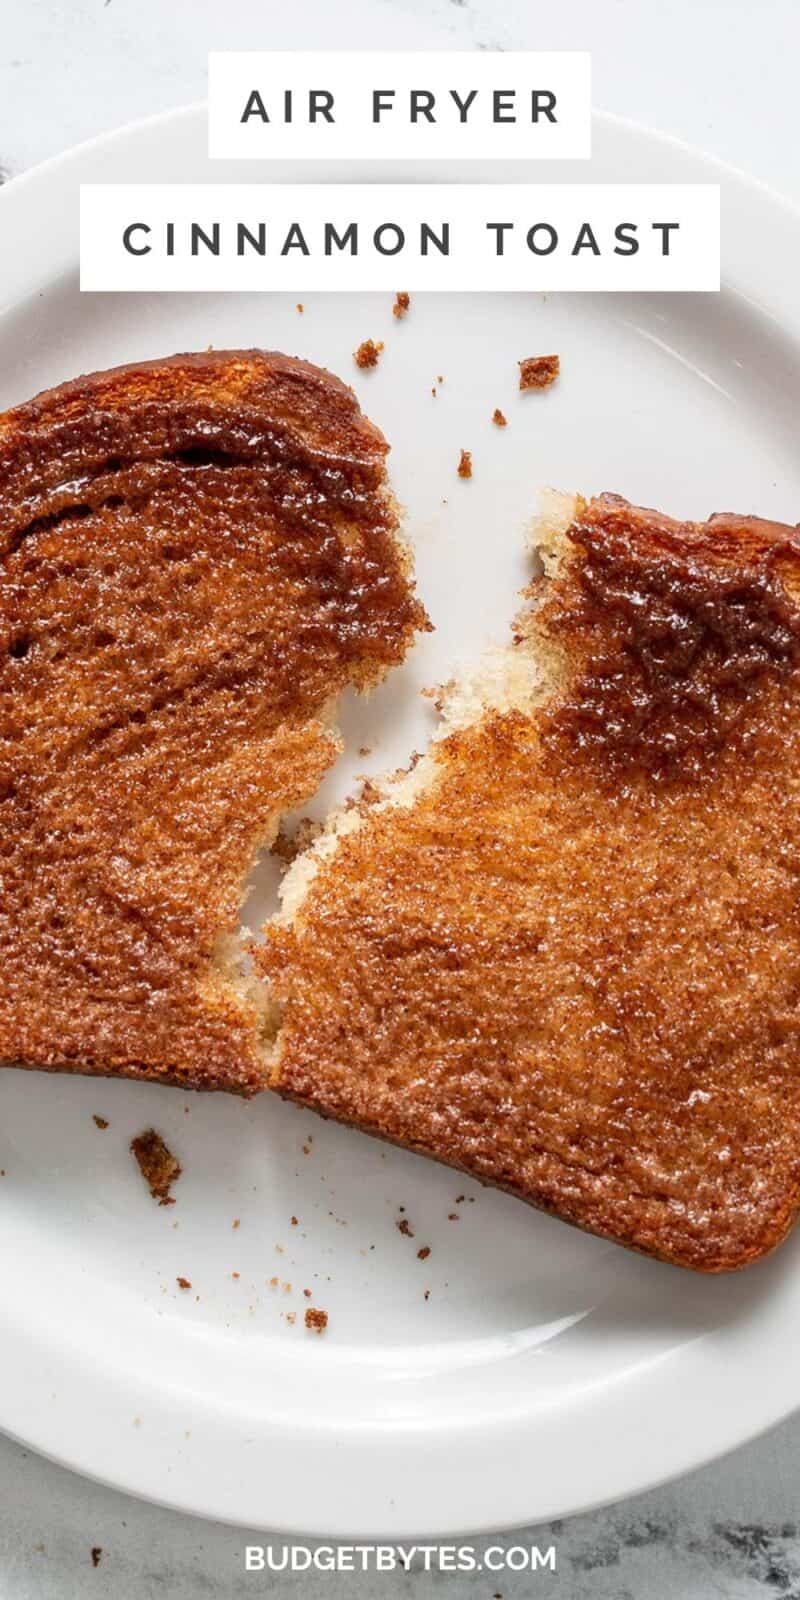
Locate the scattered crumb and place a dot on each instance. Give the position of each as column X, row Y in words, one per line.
column 405, row 1227
column 236, row 1222
column 440, row 379
column 306, row 1149
column 300, row 307
column 538, row 372
column 273, row 1283
column 235, row 1274
column 460, row 1198
column 401, row 304
column 291, row 1316
column 288, row 846
column 158, row 1166
column 498, row 419
column 100, row 1122
column 183, row 1283
column 293, row 1221
column 364, row 750
column 452, row 1216
column 422, row 1255
column 367, row 354
column 287, row 1288
column 427, row 1294
column 307, row 1293
column 465, row 464
column 433, row 392
column 316, row 1320
column 279, row 1249
column 97, row 1551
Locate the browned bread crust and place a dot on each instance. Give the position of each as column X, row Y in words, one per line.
column 196, row 556
column 564, row 954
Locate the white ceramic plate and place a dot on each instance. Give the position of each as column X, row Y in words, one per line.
column 545, row 1371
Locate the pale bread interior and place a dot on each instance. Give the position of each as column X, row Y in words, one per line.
column 507, row 677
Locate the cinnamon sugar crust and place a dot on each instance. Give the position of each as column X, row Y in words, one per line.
column 563, row 956
column 196, row 556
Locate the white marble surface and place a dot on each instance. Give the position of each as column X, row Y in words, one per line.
column 721, row 74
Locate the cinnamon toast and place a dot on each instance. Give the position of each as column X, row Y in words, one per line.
column 562, row 953
column 196, row 556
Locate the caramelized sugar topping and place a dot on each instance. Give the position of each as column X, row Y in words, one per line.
column 572, row 965
column 196, row 556
column 672, row 627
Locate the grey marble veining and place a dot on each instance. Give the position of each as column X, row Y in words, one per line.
column 729, row 1530
column 721, row 74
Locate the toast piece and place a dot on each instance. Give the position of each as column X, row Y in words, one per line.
column 196, row 556
column 562, row 952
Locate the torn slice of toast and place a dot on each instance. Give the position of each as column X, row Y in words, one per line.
column 196, row 556
column 563, row 952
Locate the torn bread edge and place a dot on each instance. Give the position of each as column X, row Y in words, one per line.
column 230, row 972
column 518, row 676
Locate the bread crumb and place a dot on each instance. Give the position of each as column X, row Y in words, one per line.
column 235, row 1274
column 367, row 354
column 183, row 1283
column 452, row 1216
column 433, row 392
column 405, row 1227
column 300, row 307
column 460, row 1198
column 307, row 1293
column 538, row 372
column 291, row 1317
column 422, row 1255
column 97, row 1551
column 498, row 419
column 158, row 1166
column 293, row 1221
column 273, row 1283
column 465, row 464
column 316, row 1320
column 440, row 379
column 288, row 846
column 401, row 304
column 427, row 1294
column 364, row 750
column 236, row 1222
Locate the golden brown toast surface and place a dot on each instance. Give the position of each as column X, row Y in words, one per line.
column 196, row 555
column 565, row 957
